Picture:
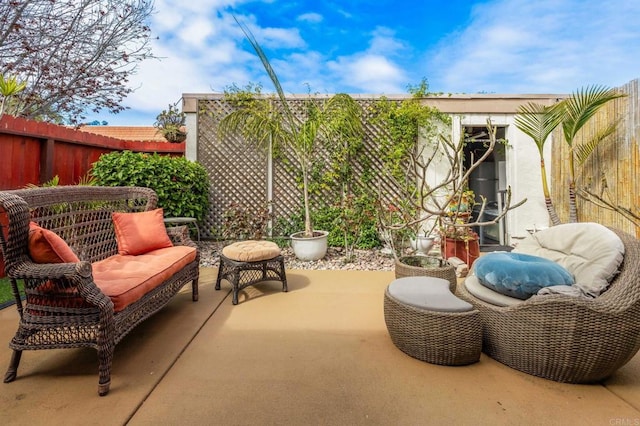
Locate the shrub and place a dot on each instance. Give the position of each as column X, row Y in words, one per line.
column 242, row 222
column 182, row 185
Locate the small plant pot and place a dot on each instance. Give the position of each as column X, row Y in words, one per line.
column 176, row 137
column 310, row 248
column 422, row 244
column 427, row 266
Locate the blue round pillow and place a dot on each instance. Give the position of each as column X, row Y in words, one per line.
column 519, row 275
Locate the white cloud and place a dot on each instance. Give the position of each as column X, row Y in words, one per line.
column 372, row 70
column 279, row 37
column 163, row 81
column 203, row 50
column 310, row 17
column 551, row 46
column 383, row 42
column 368, row 73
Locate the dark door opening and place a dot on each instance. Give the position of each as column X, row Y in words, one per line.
column 488, row 180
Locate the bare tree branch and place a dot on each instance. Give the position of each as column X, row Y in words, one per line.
column 606, row 200
column 439, row 201
column 75, row 55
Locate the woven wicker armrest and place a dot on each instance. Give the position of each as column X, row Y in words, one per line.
column 33, row 270
column 551, row 303
column 179, row 236
column 75, row 275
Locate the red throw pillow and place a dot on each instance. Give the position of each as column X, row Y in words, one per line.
column 47, row 247
column 139, row 233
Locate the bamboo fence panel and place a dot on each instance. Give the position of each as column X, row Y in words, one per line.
column 616, row 160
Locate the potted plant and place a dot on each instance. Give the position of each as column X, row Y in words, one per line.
column 457, row 239
column 406, row 123
column 422, row 243
column 271, row 122
column 171, row 123
column 461, row 243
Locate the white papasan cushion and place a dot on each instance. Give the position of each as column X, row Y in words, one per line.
column 591, row 252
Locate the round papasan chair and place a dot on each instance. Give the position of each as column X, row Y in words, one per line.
column 567, row 338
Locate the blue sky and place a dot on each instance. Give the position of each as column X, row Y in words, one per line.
column 381, row 46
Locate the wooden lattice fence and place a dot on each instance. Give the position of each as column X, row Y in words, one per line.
column 241, row 173
column 616, row 159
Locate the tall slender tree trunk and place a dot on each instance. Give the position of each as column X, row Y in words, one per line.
column 573, row 209
column 308, row 231
column 551, row 210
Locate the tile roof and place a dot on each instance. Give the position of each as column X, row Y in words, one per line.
column 131, row 133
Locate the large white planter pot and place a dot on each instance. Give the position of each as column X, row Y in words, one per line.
column 310, row 248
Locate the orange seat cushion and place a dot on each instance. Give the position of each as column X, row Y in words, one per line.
column 126, row 279
column 47, row 247
column 251, row 250
column 141, row 232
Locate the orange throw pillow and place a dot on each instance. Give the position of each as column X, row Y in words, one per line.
column 47, row 247
column 139, row 233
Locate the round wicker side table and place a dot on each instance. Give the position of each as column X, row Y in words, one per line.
column 429, row 266
column 435, row 336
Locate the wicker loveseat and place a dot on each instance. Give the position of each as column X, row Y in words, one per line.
column 64, row 306
column 567, row 338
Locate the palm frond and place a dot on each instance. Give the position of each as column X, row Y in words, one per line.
column 538, row 121
column 269, row 69
column 260, row 126
column 583, row 150
column 342, row 116
column 582, row 106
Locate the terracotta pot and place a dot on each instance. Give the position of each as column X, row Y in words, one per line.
column 467, row 251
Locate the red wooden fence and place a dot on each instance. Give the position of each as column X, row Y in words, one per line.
column 32, row 152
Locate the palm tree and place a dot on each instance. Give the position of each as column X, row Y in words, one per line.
column 538, row 122
column 270, row 122
column 578, row 110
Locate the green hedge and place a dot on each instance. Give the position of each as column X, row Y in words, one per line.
column 182, row 185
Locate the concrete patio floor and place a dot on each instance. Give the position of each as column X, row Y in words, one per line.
column 317, row 355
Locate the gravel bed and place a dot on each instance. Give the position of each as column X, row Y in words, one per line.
column 365, row 260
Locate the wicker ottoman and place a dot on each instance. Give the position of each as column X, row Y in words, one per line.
column 426, row 321
column 249, row 262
